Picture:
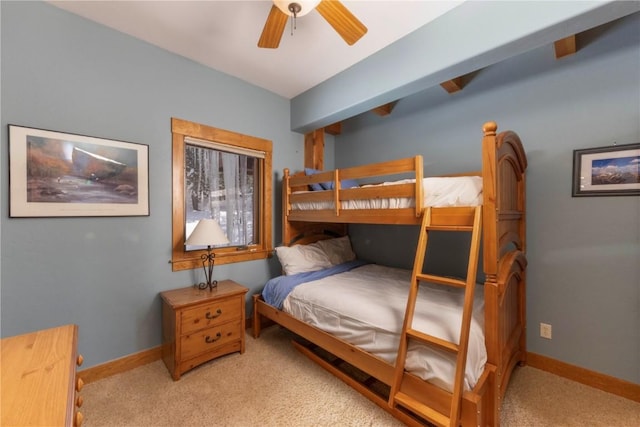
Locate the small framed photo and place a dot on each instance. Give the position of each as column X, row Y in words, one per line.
column 607, row 171
column 56, row 174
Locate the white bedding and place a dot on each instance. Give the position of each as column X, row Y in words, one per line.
column 438, row 192
column 365, row 307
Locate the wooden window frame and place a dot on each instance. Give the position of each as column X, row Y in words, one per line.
column 186, row 260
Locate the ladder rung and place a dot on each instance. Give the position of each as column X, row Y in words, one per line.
column 430, row 339
column 468, row 228
column 441, row 280
column 421, row 409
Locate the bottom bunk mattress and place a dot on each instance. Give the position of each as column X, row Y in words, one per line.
column 365, row 306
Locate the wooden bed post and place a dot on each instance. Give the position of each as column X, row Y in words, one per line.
column 286, row 189
column 490, row 266
column 489, row 196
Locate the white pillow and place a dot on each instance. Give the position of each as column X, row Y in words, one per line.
column 338, row 250
column 302, row 258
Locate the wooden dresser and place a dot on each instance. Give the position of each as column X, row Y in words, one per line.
column 200, row 325
column 39, row 382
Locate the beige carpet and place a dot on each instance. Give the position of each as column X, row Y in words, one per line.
column 272, row 384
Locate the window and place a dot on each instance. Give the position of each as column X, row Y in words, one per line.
column 225, row 176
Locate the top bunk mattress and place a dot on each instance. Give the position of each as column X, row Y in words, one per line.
column 365, row 307
column 438, row 192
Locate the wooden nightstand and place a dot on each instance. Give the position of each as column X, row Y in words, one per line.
column 200, row 325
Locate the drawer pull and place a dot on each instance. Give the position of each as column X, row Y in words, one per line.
column 210, row 340
column 209, row 316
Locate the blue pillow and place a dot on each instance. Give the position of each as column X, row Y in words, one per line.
column 316, row 186
column 345, row 183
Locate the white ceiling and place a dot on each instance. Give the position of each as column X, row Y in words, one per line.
column 223, row 35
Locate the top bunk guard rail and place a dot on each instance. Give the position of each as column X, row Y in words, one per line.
column 295, row 188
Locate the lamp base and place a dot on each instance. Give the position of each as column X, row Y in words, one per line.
column 211, row 285
column 207, row 265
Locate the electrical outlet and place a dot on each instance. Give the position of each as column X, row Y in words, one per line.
column 545, row 330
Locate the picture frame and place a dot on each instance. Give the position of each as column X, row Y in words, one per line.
column 58, row 174
column 607, row 171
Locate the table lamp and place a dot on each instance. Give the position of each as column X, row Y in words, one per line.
column 207, row 233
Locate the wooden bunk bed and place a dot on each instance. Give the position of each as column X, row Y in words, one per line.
column 504, row 263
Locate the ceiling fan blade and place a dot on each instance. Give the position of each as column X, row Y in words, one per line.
column 273, row 28
column 343, row 21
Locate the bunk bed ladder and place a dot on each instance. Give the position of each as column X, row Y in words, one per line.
column 399, row 397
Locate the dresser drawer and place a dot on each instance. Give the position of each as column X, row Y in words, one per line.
column 214, row 313
column 210, row 339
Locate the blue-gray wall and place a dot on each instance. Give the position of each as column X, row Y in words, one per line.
column 62, row 72
column 469, row 37
column 584, row 253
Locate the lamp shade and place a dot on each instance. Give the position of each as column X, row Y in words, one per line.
column 207, row 233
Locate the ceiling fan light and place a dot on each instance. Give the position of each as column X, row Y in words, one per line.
column 306, row 6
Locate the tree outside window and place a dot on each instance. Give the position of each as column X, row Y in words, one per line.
column 221, row 185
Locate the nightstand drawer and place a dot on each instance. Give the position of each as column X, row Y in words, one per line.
column 214, row 313
column 211, row 338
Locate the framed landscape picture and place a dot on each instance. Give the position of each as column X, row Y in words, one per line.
column 607, row 171
column 56, row 174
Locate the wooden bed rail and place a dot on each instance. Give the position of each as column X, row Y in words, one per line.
column 295, row 186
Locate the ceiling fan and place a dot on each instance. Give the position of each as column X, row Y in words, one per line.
column 333, row 11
